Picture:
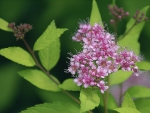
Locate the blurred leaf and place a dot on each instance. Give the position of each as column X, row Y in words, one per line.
column 95, row 14
column 144, row 65
column 143, row 105
column 4, row 25
column 131, row 39
column 39, row 79
column 9, row 82
column 111, row 101
column 139, row 92
column 128, row 102
column 49, row 96
column 119, row 77
column 127, row 110
column 50, row 35
column 55, row 107
column 68, row 84
column 18, row 55
column 89, row 100
column 50, row 55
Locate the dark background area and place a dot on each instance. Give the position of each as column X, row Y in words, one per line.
column 17, row 94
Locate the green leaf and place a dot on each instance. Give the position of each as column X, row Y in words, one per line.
column 139, row 92
column 68, row 84
column 50, row 55
column 128, row 102
column 144, row 65
column 4, row 25
column 95, row 14
column 50, row 35
column 55, row 107
column 39, row 79
column 127, row 110
column 119, row 77
column 131, row 39
column 112, row 104
column 18, row 55
column 89, row 100
column 143, row 105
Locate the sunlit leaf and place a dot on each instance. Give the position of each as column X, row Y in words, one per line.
column 50, row 55
column 55, row 107
column 50, row 35
column 139, row 92
column 144, row 65
column 39, row 79
column 143, row 105
column 127, row 110
column 128, row 102
column 95, row 14
column 119, row 77
column 4, row 25
column 68, row 84
column 89, row 100
column 18, row 55
column 130, row 39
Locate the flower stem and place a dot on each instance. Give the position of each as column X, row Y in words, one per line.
column 120, row 97
column 104, row 101
column 47, row 73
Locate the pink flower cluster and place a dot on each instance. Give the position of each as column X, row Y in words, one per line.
column 100, row 57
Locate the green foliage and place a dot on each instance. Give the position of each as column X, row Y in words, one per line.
column 128, row 102
column 4, row 25
column 9, row 82
column 50, row 35
column 127, row 110
column 55, row 107
column 39, row 79
column 128, row 105
column 69, row 85
column 143, row 65
column 95, row 15
column 111, row 104
column 143, row 105
column 139, row 92
column 119, row 77
column 49, row 56
column 131, row 38
column 89, row 100
column 18, row 55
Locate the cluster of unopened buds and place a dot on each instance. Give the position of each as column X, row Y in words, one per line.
column 100, row 57
column 21, row 30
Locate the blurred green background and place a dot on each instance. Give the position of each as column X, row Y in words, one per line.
column 16, row 94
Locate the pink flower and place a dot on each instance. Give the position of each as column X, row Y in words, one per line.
column 100, row 57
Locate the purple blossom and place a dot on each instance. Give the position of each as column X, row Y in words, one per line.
column 100, row 57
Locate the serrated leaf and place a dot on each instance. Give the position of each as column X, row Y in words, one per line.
column 128, row 102
column 50, row 35
column 119, row 77
column 4, row 25
column 95, row 14
column 69, row 85
column 18, row 55
column 139, row 92
column 131, row 39
column 50, row 55
column 39, row 79
column 144, row 65
column 127, row 110
column 143, row 105
column 55, row 107
column 89, row 100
